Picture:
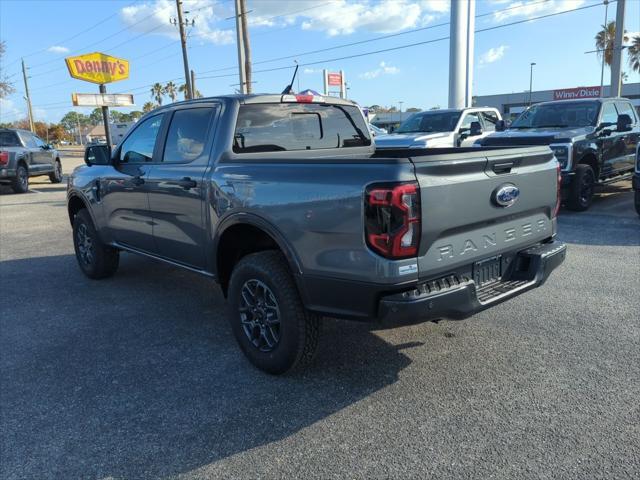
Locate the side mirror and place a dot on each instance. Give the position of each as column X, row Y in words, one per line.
column 624, row 123
column 475, row 129
column 501, row 126
column 97, row 155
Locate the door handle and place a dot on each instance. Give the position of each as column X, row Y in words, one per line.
column 137, row 181
column 187, row 183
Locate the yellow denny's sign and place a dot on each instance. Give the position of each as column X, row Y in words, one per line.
column 98, row 68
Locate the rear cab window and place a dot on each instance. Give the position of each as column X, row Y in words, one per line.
column 187, row 134
column 280, row 127
column 9, row 139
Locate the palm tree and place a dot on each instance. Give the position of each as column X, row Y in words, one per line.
column 634, row 54
column 157, row 92
column 605, row 40
column 171, row 90
column 148, row 106
column 183, row 89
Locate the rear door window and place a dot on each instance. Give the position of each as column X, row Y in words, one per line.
column 279, row 127
column 28, row 140
column 187, row 135
column 625, row 108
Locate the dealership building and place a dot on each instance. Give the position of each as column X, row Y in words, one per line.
column 512, row 104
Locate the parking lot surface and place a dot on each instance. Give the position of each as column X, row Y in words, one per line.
column 139, row 376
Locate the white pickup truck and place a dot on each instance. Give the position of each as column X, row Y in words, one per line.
column 443, row 128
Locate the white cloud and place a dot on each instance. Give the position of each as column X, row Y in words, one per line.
column 58, row 49
column 9, row 112
column 493, row 54
column 343, row 17
column 154, row 16
column 532, row 8
column 383, row 69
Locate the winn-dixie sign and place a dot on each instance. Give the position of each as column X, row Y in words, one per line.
column 98, row 68
column 575, row 93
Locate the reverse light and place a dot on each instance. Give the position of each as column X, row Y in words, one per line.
column 393, row 219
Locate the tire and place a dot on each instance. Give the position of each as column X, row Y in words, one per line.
column 581, row 189
column 56, row 176
column 20, row 184
column 262, row 291
column 96, row 260
column 637, row 201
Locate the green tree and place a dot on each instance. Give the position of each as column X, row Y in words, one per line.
column 634, row 54
column 71, row 120
column 605, row 40
column 171, row 91
column 95, row 117
column 135, row 115
column 157, row 92
column 148, row 106
column 183, row 90
column 6, row 87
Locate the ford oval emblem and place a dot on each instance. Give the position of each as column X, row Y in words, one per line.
column 506, row 195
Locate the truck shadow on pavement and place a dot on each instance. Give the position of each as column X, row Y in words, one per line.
column 139, row 376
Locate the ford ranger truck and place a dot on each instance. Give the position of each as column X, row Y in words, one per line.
column 283, row 201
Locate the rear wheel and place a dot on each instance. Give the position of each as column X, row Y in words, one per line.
column 96, row 260
column 56, row 176
column 269, row 321
column 20, row 183
column 582, row 188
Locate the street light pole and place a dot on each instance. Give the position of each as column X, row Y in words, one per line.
column 531, row 81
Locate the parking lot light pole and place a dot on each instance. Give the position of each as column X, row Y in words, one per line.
column 531, row 81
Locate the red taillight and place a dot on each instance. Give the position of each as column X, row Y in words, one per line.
column 4, row 158
column 392, row 219
column 558, row 193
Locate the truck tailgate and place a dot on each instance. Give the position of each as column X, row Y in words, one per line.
column 463, row 222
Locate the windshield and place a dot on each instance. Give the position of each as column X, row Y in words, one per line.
column 430, row 122
column 560, row 115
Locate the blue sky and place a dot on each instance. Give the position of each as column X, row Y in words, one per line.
column 417, row 76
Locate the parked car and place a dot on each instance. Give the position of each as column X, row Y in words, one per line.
column 442, row 128
column 283, row 200
column 24, row 155
column 595, row 142
column 636, row 180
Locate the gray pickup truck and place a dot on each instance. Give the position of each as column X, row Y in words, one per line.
column 24, row 155
column 283, row 200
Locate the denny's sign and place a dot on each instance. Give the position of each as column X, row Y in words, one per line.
column 98, row 68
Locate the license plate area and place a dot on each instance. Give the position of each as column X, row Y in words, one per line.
column 487, row 271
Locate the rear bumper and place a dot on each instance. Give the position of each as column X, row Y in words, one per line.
column 7, row 173
column 457, row 299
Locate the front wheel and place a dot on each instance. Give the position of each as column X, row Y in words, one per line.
column 268, row 319
column 96, row 260
column 582, row 188
column 56, row 175
column 637, row 201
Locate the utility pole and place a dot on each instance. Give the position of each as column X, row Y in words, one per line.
column 183, row 40
column 246, row 43
column 28, row 97
column 616, row 61
column 242, row 64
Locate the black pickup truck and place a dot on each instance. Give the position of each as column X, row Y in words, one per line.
column 595, row 142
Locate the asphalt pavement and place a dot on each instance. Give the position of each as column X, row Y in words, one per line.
column 139, row 376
